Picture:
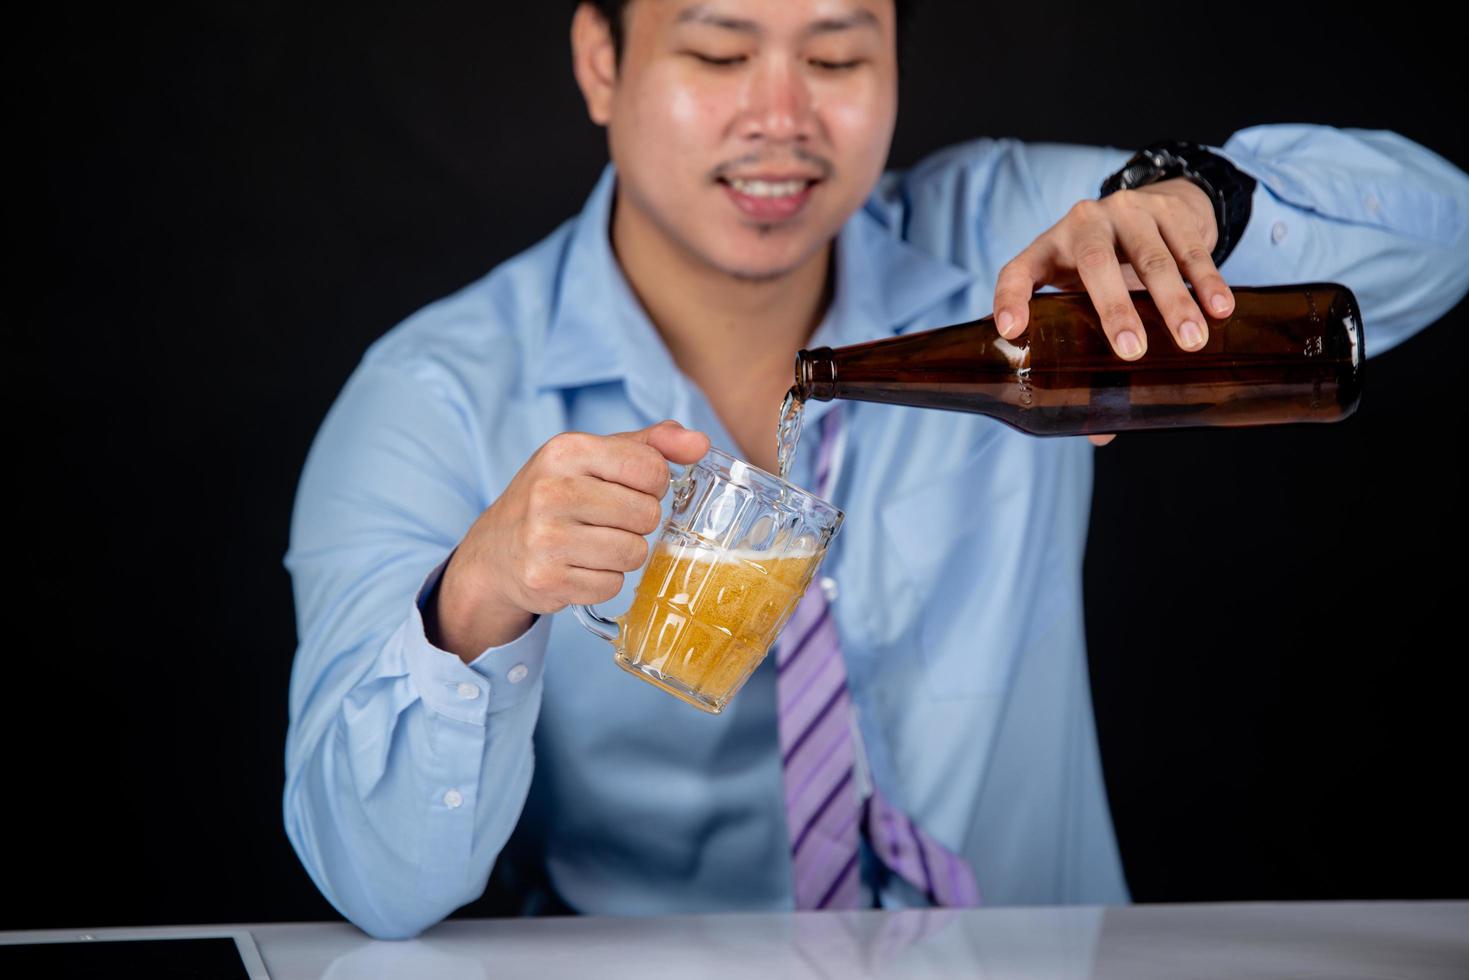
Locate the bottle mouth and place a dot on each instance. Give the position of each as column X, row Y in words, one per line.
column 816, row 374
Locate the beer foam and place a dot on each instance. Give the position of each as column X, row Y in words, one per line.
column 704, row 552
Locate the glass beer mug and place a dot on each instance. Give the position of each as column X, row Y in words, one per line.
column 733, row 558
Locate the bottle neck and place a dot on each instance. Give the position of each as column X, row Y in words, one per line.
column 974, row 348
column 816, row 374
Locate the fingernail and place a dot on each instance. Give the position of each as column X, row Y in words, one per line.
column 1191, row 335
column 1219, row 303
column 1127, row 343
column 1005, row 322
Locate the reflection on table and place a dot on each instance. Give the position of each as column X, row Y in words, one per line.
column 1344, row 941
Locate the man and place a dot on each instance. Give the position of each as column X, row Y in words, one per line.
column 503, row 453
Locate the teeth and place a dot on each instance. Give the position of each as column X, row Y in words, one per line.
column 765, row 188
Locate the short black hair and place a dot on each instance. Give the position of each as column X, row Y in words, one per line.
column 612, row 12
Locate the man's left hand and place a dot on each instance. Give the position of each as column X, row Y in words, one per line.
column 1152, row 238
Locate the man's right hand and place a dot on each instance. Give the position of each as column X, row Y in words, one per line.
column 567, row 527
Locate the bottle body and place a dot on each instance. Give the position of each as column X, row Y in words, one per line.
column 1290, row 353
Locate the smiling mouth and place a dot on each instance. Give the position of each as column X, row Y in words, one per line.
column 765, row 188
column 769, row 200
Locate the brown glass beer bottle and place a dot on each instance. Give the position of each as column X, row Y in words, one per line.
column 1288, row 353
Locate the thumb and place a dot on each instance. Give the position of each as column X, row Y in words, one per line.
column 677, row 444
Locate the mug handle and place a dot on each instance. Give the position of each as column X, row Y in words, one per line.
column 595, row 623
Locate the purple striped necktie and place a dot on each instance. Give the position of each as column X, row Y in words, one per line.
column 824, row 810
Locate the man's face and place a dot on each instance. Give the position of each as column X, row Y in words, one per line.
column 747, row 131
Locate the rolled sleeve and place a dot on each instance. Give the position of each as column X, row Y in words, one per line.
column 1375, row 178
column 1367, row 208
column 1273, row 240
column 499, row 678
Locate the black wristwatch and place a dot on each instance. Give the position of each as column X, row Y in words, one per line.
column 1228, row 187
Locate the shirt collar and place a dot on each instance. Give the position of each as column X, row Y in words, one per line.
column 599, row 331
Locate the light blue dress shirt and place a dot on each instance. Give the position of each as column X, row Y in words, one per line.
column 958, row 570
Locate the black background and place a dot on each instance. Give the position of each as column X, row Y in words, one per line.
column 224, row 203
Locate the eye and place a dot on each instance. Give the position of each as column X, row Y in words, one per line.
column 710, row 59
column 825, row 65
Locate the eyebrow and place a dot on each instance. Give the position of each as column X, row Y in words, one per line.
column 700, row 14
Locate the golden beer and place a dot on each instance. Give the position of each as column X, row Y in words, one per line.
column 734, row 557
column 702, row 619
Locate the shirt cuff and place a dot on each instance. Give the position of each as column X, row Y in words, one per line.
column 500, row 677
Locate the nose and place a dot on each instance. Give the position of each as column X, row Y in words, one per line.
column 777, row 103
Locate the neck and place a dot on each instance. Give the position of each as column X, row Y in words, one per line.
column 721, row 330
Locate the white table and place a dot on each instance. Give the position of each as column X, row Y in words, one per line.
column 1341, row 941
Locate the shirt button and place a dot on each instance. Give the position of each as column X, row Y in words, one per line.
column 468, row 691
column 453, row 799
column 1277, row 232
column 829, row 588
column 1372, row 204
column 517, row 673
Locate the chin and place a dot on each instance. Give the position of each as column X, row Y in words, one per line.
column 758, row 271
column 759, row 262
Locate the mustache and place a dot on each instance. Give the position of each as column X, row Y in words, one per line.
column 804, row 159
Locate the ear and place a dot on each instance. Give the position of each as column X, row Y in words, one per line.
column 594, row 61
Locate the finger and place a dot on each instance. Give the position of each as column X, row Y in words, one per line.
column 624, row 459
column 1102, row 440
column 1142, row 240
column 1129, row 276
column 563, row 562
column 589, row 586
column 1094, row 248
column 1016, row 283
column 1198, row 267
column 596, row 501
column 605, row 548
column 670, row 435
column 676, row 443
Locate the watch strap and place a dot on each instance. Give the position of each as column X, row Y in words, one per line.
column 1229, row 189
